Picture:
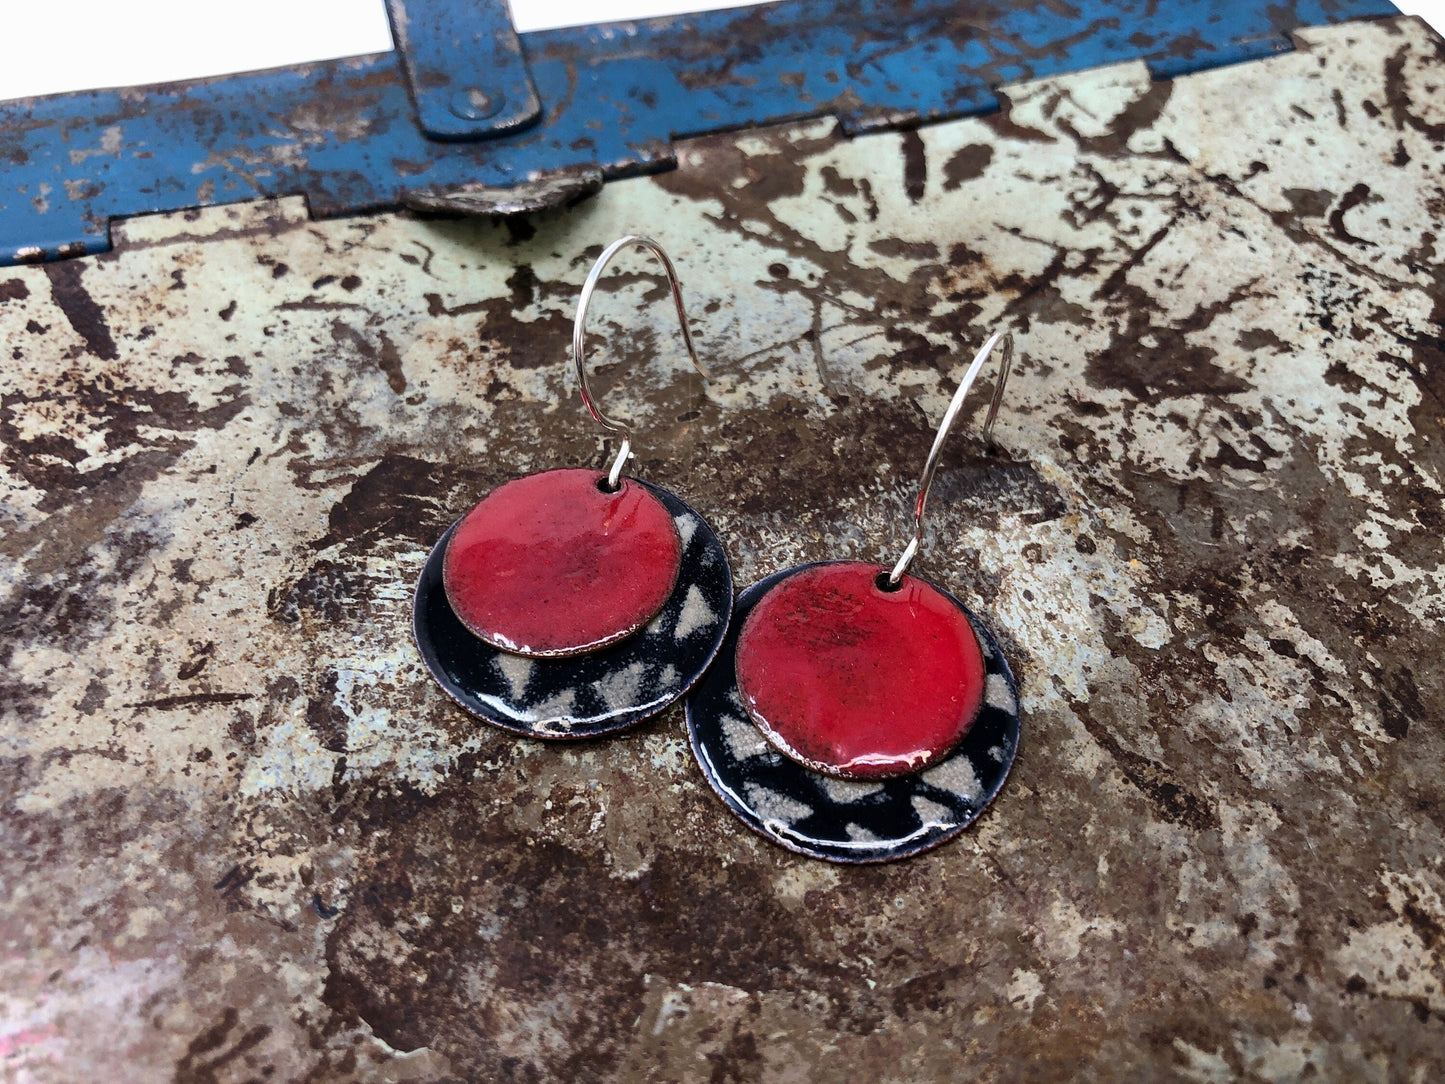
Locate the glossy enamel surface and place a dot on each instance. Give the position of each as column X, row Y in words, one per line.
column 854, row 680
column 603, row 691
column 848, row 820
column 551, row 564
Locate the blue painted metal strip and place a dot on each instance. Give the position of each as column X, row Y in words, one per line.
column 615, row 96
column 463, row 65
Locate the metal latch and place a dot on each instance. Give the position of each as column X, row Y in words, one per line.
column 464, row 67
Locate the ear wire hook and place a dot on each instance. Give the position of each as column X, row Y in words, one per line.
column 579, row 355
column 925, row 481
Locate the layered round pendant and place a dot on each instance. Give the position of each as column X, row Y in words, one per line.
column 851, row 722
column 559, row 609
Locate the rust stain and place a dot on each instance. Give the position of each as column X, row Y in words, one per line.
column 237, row 818
column 85, row 316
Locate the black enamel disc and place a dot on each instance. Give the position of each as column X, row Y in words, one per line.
column 845, row 820
column 582, row 696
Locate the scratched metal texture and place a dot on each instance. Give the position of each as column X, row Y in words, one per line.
column 244, row 836
column 614, row 97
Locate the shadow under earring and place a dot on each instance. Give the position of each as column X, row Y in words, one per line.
column 574, row 603
column 858, row 714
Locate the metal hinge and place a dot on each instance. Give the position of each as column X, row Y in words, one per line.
column 464, row 67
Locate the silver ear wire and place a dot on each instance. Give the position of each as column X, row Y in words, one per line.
column 579, row 356
column 925, row 481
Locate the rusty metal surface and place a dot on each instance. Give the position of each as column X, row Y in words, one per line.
column 614, row 98
column 244, row 835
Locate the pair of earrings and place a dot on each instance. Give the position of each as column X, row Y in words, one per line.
column 844, row 710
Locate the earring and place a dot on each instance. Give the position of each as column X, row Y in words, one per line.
column 858, row 714
column 573, row 603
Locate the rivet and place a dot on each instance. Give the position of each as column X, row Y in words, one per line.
column 474, row 104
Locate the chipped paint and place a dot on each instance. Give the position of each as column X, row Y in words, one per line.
column 242, row 830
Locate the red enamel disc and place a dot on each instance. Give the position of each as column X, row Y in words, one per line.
column 852, row 680
column 550, row 564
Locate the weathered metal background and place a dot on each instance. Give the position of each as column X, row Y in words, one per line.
column 345, row 134
column 244, row 836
